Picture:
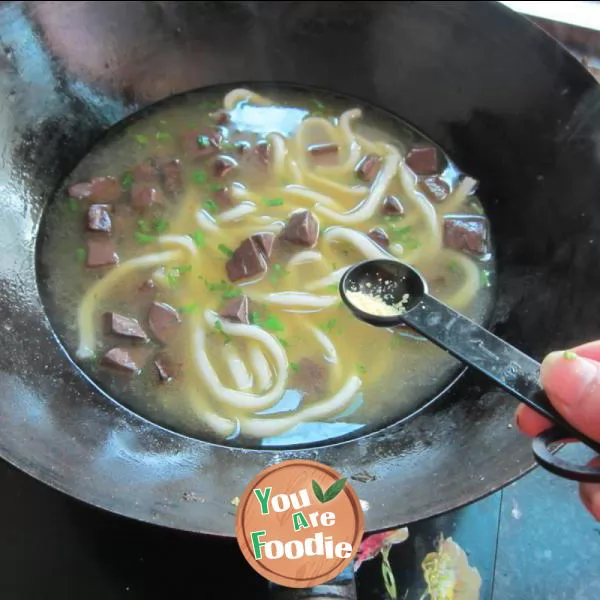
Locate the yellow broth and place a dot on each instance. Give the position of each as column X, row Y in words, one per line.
column 326, row 349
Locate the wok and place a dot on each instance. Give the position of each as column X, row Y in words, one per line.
column 508, row 103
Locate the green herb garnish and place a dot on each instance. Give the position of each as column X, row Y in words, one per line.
column 73, row 205
column 215, row 187
column 454, row 267
column 188, row 308
column 141, row 139
column 80, row 254
column 360, row 368
column 294, row 367
column 160, row 225
column 183, row 269
column 277, row 272
column 329, row 325
column 199, row 238
column 162, row 136
column 203, row 141
column 333, row 287
column 199, row 176
column 127, row 180
column 229, row 294
column 143, row 227
column 210, row 206
column 402, row 236
column 272, row 323
column 225, row 250
column 144, row 238
column 219, row 328
column 569, row 355
column 273, row 201
column 284, row 342
column 484, row 279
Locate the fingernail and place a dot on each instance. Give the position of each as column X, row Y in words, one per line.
column 566, row 376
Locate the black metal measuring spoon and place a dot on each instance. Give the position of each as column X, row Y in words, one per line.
column 388, row 293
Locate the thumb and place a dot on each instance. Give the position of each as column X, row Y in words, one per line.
column 572, row 383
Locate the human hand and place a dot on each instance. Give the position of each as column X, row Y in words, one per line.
column 571, row 380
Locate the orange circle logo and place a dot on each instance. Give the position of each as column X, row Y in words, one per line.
column 299, row 523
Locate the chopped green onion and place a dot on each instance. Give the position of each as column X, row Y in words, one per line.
column 141, row 139
column 294, row 367
column 215, row 187
column 199, row 238
column 127, row 180
column 73, row 205
column 183, row 269
column 160, row 225
column 360, row 368
column 229, row 294
column 454, row 267
column 200, row 176
column 143, row 227
column 188, row 308
column 283, row 342
column 203, row 141
column 277, row 272
column 144, row 238
column 484, row 279
column 219, row 328
column 272, row 323
column 254, row 318
column 162, row 135
column 225, row 250
column 210, row 206
column 569, row 355
column 273, row 201
column 332, row 287
column 329, row 325
column 216, row 287
column 80, row 253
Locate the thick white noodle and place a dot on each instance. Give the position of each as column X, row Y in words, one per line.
column 184, row 242
column 86, row 311
column 260, row 367
column 330, row 351
column 235, row 398
column 362, row 242
column 303, row 193
column 233, row 98
column 294, row 171
column 222, row 426
column 348, row 141
column 296, row 299
column 206, row 222
column 240, row 374
column 304, row 257
column 464, row 295
column 459, row 195
column 278, row 154
column 237, row 212
column 263, row 427
column 367, row 209
column 331, row 279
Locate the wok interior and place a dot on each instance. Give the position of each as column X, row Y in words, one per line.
column 520, row 117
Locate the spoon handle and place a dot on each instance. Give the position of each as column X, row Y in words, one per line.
column 475, row 346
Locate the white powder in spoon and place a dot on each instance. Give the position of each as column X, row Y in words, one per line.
column 374, row 304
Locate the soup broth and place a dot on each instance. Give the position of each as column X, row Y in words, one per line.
column 191, row 263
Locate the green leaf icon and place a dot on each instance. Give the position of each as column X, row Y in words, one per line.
column 335, row 488
column 318, row 491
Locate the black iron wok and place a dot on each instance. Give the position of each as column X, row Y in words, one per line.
column 512, row 107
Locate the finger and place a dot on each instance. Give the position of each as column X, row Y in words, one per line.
column 529, row 421
column 572, row 383
column 590, row 494
column 590, row 350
